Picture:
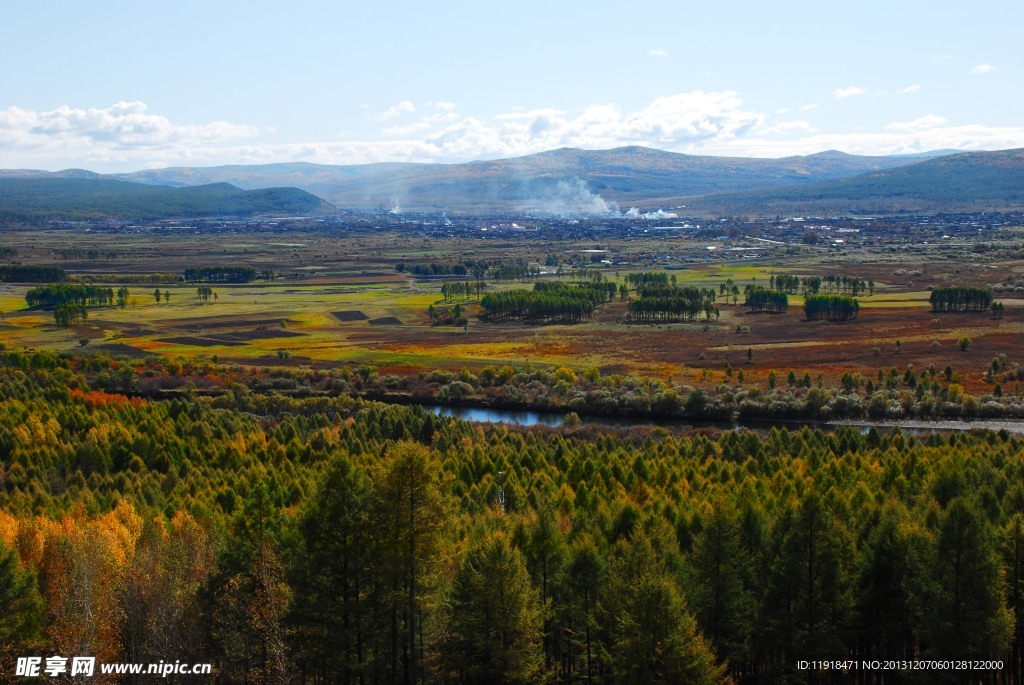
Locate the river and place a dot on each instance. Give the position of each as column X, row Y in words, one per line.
column 534, row 418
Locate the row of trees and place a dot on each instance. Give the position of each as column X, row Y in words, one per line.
column 205, row 293
column 548, row 301
column 32, row 273
column 831, row 307
column 459, row 290
column 829, row 284
column 960, row 299
column 761, row 299
column 480, row 269
column 220, row 274
column 50, row 296
column 645, row 279
column 65, row 315
column 672, row 303
column 438, row 269
column 329, row 540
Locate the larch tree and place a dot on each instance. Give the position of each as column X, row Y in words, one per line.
column 653, row 636
column 495, row 617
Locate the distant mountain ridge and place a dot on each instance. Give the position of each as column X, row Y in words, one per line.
column 572, row 182
column 625, row 176
column 77, row 197
column 967, row 181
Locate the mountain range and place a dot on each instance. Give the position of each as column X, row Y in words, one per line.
column 583, row 182
column 566, row 179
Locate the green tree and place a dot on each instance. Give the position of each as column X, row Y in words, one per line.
column 495, row 617
column 545, row 555
column 333, row 574
column 248, row 597
column 964, row 612
column 653, row 637
column 1013, row 560
column 585, row 580
column 410, row 515
column 889, row 575
column 718, row 572
column 806, row 603
column 21, row 607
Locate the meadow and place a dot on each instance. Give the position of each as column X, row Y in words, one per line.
column 337, row 299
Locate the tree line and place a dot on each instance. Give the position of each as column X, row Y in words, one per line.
column 32, row 273
column 548, row 302
column 960, row 299
column 829, row 284
column 459, row 290
column 480, row 269
column 220, row 274
column 49, row 296
column 761, row 299
column 831, row 307
column 672, row 303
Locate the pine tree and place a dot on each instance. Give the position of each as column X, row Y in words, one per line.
column 410, row 513
column 21, row 607
column 718, row 570
column 495, row 617
column 653, row 638
column 964, row 615
column 332, row 575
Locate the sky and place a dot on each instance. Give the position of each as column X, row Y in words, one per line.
column 117, row 86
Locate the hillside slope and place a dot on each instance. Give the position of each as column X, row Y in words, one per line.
column 544, row 181
column 49, row 197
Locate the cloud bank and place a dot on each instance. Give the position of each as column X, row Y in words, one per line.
column 126, row 136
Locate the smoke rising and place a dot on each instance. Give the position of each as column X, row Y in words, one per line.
column 573, row 199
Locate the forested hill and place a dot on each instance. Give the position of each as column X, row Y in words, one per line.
column 970, row 181
column 32, row 200
column 355, row 542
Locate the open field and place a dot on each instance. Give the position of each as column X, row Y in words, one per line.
column 337, row 299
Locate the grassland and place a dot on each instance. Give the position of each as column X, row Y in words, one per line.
column 338, row 300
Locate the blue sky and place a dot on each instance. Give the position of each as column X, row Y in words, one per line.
column 119, row 86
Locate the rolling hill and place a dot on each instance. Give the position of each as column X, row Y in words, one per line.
column 969, row 181
column 540, row 182
column 81, row 197
column 564, row 182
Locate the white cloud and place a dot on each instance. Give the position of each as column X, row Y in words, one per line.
column 402, row 131
column 508, row 116
column 810, row 107
column 657, row 52
column 912, row 89
column 423, row 124
column 788, row 127
column 928, row 121
column 681, row 119
column 445, row 106
column 849, row 91
column 126, row 136
column 394, row 111
column 124, row 131
column 782, row 110
column 888, row 142
column 983, row 69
